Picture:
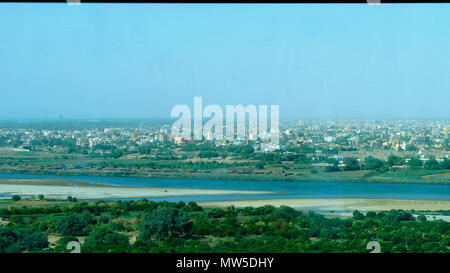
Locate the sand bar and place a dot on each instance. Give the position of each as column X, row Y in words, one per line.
column 49, row 182
column 82, row 190
column 339, row 204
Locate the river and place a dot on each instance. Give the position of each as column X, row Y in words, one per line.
column 282, row 190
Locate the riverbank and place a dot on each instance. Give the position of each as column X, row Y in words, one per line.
column 48, row 182
column 61, row 189
column 360, row 176
column 339, row 204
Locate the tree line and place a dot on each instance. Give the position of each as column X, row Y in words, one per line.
column 147, row 226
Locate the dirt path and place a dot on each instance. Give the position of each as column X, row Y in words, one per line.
column 431, row 175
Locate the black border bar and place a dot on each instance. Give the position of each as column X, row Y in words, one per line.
column 165, row 262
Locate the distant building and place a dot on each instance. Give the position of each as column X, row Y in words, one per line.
column 178, row 140
column 329, row 139
column 161, row 137
column 271, row 147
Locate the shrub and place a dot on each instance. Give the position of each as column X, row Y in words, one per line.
column 33, row 239
column 16, row 198
column 164, row 222
column 105, row 239
column 75, row 224
column 8, row 241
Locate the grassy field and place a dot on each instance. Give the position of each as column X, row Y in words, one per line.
column 7, row 203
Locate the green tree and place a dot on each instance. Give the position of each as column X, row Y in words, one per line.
column 372, row 163
column 422, row 218
column 333, row 168
column 432, row 164
column 208, row 154
column 358, row 215
column 75, row 224
column 445, row 164
column 351, row 164
column 117, row 153
column 72, row 199
column 371, row 214
column 33, row 239
column 395, row 160
column 9, row 240
column 260, row 165
column 285, row 212
column 414, row 163
column 105, row 239
column 164, row 222
column 16, row 198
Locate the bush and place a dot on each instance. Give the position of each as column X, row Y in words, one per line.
column 8, row 241
column 208, row 154
column 259, row 165
column 372, row 163
column 33, row 239
column 75, row 224
column 445, row 164
column 105, row 239
column 104, row 219
column 216, row 213
column 164, row 222
column 395, row 160
column 421, row 217
column 333, row 168
column 414, row 163
column 72, row 199
column 16, row 198
column 358, row 215
column 432, row 164
column 192, row 206
column 285, row 212
column 351, row 164
column 371, row 214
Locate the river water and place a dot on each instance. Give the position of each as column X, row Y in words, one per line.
column 290, row 190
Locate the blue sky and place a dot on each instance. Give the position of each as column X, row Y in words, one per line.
column 139, row 60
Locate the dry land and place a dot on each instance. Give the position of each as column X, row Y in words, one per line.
column 61, row 189
column 339, row 204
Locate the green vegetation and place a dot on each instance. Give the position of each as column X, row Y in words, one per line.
column 240, row 162
column 105, row 238
column 163, row 222
column 16, row 198
column 23, row 239
column 147, row 226
column 75, row 224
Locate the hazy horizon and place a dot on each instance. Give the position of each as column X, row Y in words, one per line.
column 137, row 61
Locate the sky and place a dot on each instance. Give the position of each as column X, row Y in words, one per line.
column 316, row 61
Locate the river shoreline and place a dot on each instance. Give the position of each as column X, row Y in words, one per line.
column 204, row 191
column 338, row 204
column 61, row 189
column 227, row 177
